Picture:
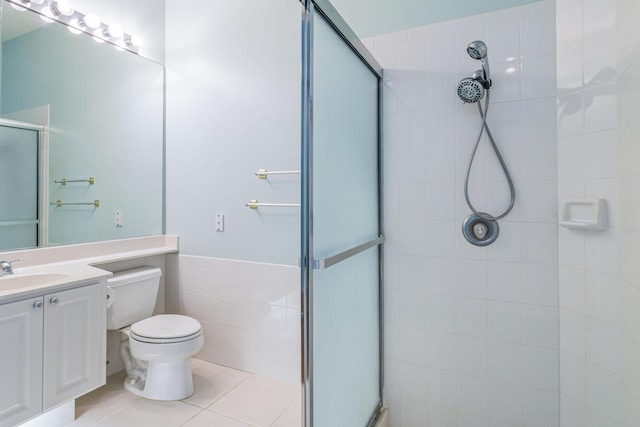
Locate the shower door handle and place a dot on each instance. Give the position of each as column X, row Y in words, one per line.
column 321, row 264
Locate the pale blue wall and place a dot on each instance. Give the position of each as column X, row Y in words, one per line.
column 375, row 17
column 233, row 107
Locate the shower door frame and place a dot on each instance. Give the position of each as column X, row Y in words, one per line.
column 307, row 260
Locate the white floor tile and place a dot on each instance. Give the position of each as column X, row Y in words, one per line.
column 103, row 402
column 258, row 400
column 151, row 413
column 234, row 399
column 211, row 382
column 292, row 416
column 211, row 419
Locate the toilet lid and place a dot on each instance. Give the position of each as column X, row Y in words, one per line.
column 166, row 327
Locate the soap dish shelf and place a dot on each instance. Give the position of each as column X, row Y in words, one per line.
column 583, row 214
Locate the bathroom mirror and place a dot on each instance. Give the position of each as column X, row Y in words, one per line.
column 101, row 151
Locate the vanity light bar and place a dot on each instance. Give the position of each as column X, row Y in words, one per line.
column 78, row 22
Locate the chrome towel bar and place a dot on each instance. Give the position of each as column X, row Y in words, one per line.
column 60, row 203
column 263, row 173
column 64, row 181
column 253, row 204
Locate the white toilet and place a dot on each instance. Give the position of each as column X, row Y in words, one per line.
column 155, row 349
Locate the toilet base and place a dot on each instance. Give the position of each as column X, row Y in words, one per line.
column 164, row 381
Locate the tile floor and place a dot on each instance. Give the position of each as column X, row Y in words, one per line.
column 223, row 397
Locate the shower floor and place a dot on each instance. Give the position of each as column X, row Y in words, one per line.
column 223, row 397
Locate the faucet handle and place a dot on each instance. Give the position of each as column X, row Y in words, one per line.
column 6, row 267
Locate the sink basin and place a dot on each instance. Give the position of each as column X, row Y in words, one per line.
column 25, row 280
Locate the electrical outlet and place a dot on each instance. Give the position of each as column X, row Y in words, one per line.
column 119, row 218
column 220, row 222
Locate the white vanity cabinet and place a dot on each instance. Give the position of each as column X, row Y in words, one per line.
column 53, row 350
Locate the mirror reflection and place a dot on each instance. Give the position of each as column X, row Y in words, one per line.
column 81, row 137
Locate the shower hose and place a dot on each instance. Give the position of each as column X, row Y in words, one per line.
column 483, row 114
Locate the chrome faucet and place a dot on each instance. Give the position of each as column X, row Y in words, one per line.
column 6, row 267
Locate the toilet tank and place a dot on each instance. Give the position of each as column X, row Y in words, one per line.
column 131, row 296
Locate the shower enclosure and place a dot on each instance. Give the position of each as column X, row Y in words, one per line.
column 341, row 235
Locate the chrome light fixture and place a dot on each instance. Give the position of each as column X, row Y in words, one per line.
column 78, row 22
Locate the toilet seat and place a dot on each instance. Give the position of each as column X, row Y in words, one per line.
column 166, row 329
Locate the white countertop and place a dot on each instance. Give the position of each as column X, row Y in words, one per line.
column 69, row 272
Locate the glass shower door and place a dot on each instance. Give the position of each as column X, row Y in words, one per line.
column 342, row 209
column 19, row 178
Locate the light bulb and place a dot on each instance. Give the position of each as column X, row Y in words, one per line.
column 134, row 40
column 74, row 27
column 90, row 21
column 47, row 15
column 19, row 8
column 114, row 30
column 62, row 7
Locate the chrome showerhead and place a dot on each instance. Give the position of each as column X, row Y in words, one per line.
column 470, row 90
column 477, row 49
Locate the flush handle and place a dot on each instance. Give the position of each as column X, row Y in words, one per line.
column 53, row 301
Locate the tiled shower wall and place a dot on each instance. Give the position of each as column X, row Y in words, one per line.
column 598, row 63
column 588, row 168
column 471, row 334
column 628, row 62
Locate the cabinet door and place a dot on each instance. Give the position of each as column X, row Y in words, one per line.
column 21, row 360
column 74, row 343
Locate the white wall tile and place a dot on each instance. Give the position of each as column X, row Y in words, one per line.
column 442, row 313
column 539, row 160
column 413, row 413
column 540, row 408
column 505, row 322
column 538, row 36
column 504, row 39
column 442, row 387
column 442, row 417
column 603, row 393
column 540, row 326
column 472, row 317
column 540, row 284
column 505, row 362
column 413, row 382
column 473, row 395
column 572, row 413
column 602, row 301
column 505, row 281
column 572, row 289
column 537, row 77
column 411, row 309
column 573, row 339
column 442, row 351
column 440, row 275
column 573, row 377
column 541, row 369
column 539, row 243
column 603, row 345
column 471, row 278
column 507, row 79
column 599, row 17
column 539, row 118
column 506, row 402
column 473, row 355
column 412, row 345
column 412, row 272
